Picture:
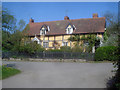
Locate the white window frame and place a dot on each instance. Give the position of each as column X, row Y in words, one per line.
column 41, row 32
column 69, row 30
column 46, row 44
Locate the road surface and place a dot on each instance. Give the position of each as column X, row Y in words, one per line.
column 59, row 75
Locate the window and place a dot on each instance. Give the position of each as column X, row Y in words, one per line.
column 69, row 29
column 65, row 43
column 44, row 29
column 45, row 44
column 43, row 32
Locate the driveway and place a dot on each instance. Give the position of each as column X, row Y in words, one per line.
column 59, row 75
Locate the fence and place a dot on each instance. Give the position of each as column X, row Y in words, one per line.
column 50, row 55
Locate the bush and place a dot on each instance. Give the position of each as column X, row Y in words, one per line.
column 65, row 48
column 31, row 48
column 106, row 53
column 53, row 50
column 77, row 49
column 62, row 49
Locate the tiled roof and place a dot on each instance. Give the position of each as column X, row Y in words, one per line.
column 89, row 25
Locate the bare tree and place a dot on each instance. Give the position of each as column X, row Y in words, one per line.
column 112, row 29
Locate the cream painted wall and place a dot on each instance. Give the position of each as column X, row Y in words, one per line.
column 66, row 37
column 59, row 39
column 51, row 37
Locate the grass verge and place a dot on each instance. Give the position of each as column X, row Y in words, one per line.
column 6, row 72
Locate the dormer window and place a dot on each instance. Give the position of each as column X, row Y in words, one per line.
column 44, row 29
column 69, row 29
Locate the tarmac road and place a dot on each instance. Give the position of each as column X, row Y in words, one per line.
column 59, row 75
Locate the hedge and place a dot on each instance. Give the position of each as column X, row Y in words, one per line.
column 106, row 53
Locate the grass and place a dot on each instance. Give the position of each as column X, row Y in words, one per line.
column 7, row 72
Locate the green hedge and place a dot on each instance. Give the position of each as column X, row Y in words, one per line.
column 62, row 49
column 106, row 53
column 53, row 50
column 65, row 49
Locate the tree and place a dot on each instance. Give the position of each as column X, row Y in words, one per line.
column 6, row 44
column 112, row 31
column 31, row 48
column 11, row 34
column 75, row 38
column 21, row 25
column 8, row 25
column 113, row 34
column 16, row 39
column 8, row 21
column 56, row 45
column 111, row 18
column 91, row 39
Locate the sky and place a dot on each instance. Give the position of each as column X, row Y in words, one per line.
column 60, row 0
column 52, row 11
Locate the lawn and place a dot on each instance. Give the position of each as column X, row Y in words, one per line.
column 7, row 72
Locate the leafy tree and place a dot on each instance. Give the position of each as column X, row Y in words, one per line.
column 21, row 25
column 8, row 25
column 0, row 29
column 8, row 21
column 14, row 35
column 11, row 34
column 31, row 48
column 16, row 40
column 91, row 39
column 56, row 45
column 6, row 44
column 12, row 41
column 75, row 38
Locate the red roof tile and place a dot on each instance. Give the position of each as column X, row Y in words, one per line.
column 89, row 25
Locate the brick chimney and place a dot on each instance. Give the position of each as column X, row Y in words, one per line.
column 31, row 21
column 66, row 18
column 95, row 15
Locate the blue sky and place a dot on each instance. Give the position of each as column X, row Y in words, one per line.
column 52, row 11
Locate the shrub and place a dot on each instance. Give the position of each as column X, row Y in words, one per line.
column 14, row 56
column 31, row 48
column 106, row 53
column 53, row 50
column 77, row 49
column 65, row 48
